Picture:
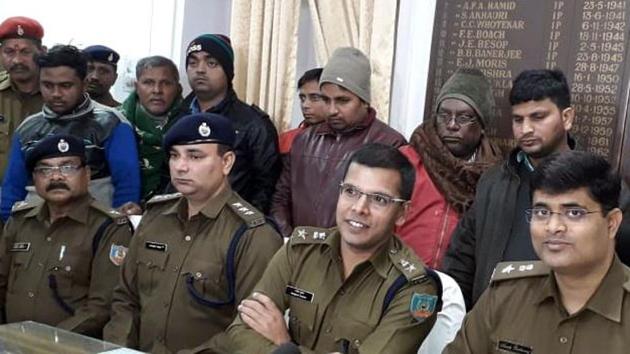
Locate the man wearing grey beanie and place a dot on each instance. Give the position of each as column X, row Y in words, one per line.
column 307, row 190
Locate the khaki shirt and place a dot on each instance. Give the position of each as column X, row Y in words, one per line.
column 32, row 250
column 306, row 277
column 14, row 107
column 521, row 312
column 153, row 309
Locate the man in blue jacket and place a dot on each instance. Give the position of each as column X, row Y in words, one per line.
column 110, row 144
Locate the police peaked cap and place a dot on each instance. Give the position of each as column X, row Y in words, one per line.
column 57, row 145
column 102, row 54
column 200, row 128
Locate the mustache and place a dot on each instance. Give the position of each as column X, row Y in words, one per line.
column 57, row 185
column 18, row 67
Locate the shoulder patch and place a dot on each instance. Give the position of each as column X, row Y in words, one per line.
column 163, row 197
column 407, row 263
column 515, row 270
column 250, row 215
column 23, row 205
column 307, row 234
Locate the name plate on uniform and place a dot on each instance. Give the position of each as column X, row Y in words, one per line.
column 299, row 293
column 20, row 247
column 156, row 246
column 513, row 347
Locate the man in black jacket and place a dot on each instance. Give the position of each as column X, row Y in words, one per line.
column 495, row 228
column 210, row 70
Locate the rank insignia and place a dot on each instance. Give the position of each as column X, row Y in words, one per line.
column 117, row 254
column 301, row 234
column 422, row 306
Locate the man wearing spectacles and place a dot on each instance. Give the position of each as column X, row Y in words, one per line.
column 449, row 150
column 494, row 229
column 60, row 256
column 354, row 288
column 575, row 299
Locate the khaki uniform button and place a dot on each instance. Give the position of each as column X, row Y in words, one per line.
column 48, row 238
column 30, row 294
column 393, row 251
column 564, row 340
column 357, row 343
column 198, row 275
column 68, row 268
column 187, row 238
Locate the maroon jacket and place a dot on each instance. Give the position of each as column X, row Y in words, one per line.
column 307, row 191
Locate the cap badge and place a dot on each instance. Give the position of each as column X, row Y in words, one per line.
column 63, row 146
column 204, row 130
column 20, row 30
column 110, row 58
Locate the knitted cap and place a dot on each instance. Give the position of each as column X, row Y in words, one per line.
column 217, row 46
column 349, row 68
column 472, row 87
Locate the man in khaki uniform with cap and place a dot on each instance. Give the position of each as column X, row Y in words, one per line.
column 60, row 257
column 197, row 253
column 575, row 300
column 352, row 289
column 20, row 44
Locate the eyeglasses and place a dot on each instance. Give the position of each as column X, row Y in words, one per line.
column 377, row 200
column 64, row 170
column 445, row 118
column 570, row 215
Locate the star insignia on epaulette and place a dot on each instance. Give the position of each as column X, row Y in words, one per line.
column 301, row 234
column 407, row 266
column 508, row 269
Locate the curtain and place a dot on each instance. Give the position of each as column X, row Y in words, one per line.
column 369, row 25
column 264, row 38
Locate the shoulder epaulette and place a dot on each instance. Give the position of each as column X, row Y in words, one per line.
column 250, row 215
column 407, row 263
column 163, row 197
column 5, row 81
column 516, row 270
column 113, row 214
column 23, row 205
column 307, row 234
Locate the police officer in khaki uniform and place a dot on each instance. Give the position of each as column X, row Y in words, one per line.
column 20, row 44
column 60, row 257
column 575, row 300
column 352, row 289
column 196, row 254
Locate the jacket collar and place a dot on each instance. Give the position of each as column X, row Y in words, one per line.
column 607, row 301
column 325, row 129
column 78, row 213
column 211, row 210
column 230, row 97
column 86, row 106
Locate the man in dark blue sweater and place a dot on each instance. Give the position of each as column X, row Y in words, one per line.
column 109, row 141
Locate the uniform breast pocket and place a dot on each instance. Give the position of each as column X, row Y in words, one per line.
column 151, row 266
column 353, row 332
column 72, row 271
column 302, row 315
column 20, row 262
column 206, row 283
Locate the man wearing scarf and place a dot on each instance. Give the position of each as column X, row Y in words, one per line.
column 151, row 109
column 450, row 151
